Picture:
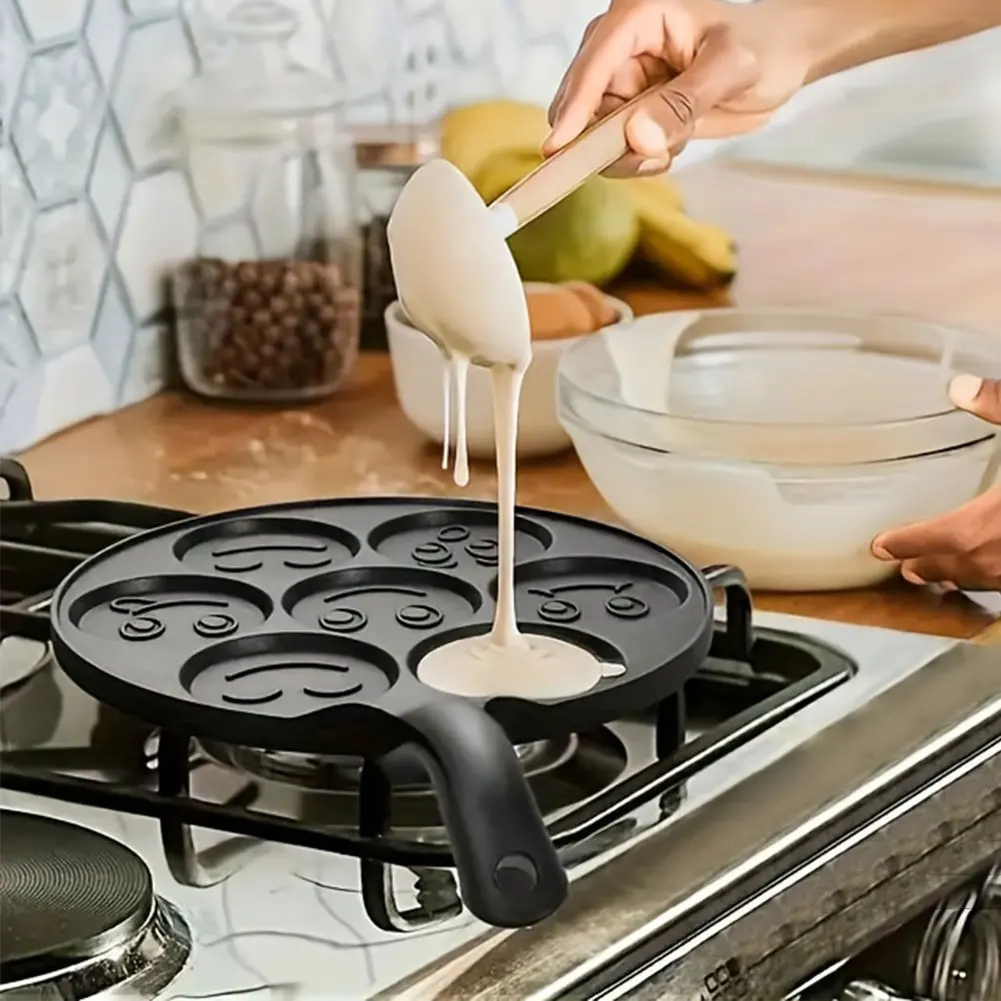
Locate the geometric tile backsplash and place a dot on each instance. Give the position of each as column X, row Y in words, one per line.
column 95, row 200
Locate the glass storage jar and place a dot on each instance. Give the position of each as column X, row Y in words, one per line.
column 268, row 309
column 386, row 157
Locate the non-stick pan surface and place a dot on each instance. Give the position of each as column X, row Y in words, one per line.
column 298, row 627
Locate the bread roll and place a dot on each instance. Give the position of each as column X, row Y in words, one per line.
column 602, row 313
column 556, row 313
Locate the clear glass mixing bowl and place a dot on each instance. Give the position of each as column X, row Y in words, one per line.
column 782, row 441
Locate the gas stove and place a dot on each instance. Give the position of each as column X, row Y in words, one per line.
column 724, row 845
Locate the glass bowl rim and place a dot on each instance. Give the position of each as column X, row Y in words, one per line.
column 713, row 423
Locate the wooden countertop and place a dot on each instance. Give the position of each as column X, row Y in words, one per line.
column 848, row 248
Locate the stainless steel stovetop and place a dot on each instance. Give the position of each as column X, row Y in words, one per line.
column 800, row 847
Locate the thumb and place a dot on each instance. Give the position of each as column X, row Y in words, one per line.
column 981, row 397
column 666, row 120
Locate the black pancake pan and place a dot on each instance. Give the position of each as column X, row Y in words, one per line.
column 298, row 627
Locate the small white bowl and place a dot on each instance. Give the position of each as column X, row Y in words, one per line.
column 418, row 371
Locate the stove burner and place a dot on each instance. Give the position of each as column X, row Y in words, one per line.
column 78, row 904
column 98, row 892
column 562, row 772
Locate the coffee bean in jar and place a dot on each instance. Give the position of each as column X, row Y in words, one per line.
column 278, row 331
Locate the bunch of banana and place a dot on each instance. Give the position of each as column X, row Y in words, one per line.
column 595, row 235
column 697, row 254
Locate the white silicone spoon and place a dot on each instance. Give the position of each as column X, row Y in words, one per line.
column 454, row 272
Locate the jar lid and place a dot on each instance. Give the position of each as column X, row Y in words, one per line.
column 394, row 145
column 256, row 77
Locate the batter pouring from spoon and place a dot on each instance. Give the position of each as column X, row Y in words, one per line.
column 458, row 282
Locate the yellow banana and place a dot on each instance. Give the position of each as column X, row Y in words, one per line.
column 698, row 254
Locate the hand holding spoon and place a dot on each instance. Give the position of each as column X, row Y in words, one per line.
column 455, row 275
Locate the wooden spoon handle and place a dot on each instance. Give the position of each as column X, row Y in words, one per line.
column 596, row 148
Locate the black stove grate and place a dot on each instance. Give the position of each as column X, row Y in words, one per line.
column 43, row 540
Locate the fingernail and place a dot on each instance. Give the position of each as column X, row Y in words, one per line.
column 881, row 552
column 912, row 578
column 964, row 389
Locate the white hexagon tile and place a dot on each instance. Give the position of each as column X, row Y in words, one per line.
column 60, row 401
column 145, row 367
column 21, row 373
column 56, row 120
column 13, row 335
column 107, row 24
column 110, row 179
column 13, row 57
column 157, row 60
column 16, row 209
column 159, row 231
column 113, row 330
column 53, row 19
column 62, row 278
column 98, row 204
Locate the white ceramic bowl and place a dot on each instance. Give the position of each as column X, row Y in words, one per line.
column 418, row 371
column 786, row 441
